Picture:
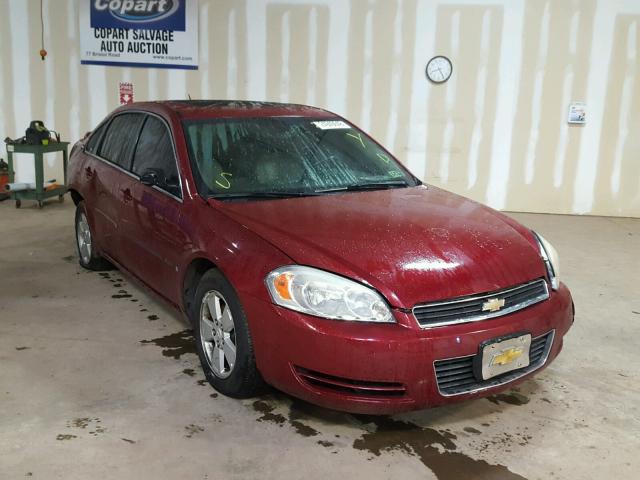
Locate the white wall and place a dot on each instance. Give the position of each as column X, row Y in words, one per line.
column 496, row 131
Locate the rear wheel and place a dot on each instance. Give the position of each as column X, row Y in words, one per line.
column 223, row 340
column 88, row 258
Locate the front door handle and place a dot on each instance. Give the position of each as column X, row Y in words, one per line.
column 126, row 195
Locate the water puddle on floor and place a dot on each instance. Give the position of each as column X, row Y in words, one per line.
column 436, row 449
column 513, row 398
column 176, row 344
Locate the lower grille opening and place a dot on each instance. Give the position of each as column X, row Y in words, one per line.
column 349, row 386
column 455, row 375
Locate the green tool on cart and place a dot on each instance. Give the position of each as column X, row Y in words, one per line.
column 38, row 194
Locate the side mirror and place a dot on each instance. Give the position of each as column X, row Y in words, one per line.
column 152, row 177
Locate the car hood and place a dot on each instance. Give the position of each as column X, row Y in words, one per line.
column 413, row 245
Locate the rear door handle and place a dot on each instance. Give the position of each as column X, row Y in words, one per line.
column 88, row 172
column 126, row 195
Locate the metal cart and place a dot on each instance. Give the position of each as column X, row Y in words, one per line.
column 39, row 194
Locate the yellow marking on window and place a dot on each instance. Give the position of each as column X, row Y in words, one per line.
column 358, row 137
column 383, row 157
column 227, row 184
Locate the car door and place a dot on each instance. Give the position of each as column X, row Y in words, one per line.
column 115, row 154
column 94, row 188
column 109, row 157
column 153, row 236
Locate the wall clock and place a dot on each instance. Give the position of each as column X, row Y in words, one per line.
column 439, row 69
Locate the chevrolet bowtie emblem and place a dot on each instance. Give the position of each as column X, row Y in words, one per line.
column 493, row 305
column 507, row 357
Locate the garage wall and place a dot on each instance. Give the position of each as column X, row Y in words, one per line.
column 496, row 131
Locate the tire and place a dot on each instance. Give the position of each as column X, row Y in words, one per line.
column 215, row 333
column 87, row 256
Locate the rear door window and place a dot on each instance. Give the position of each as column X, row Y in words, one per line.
column 120, row 139
column 155, row 152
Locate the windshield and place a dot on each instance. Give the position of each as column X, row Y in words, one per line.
column 287, row 156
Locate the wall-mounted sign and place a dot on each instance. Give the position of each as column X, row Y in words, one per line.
column 125, row 92
column 577, row 113
column 139, row 33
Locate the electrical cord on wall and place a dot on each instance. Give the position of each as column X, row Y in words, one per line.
column 43, row 52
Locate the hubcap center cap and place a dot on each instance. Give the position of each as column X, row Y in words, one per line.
column 218, row 335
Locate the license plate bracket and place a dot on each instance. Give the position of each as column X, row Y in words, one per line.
column 501, row 355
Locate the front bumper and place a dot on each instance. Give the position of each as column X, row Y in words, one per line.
column 386, row 368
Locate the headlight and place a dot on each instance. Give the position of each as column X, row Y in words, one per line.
column 324, row 294
column 551, row 260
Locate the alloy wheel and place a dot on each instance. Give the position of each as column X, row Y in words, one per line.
column 83, row 235
column 217, row 334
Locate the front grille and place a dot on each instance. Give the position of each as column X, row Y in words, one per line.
column 349, row 386
column 455, row 375
column 470, row 309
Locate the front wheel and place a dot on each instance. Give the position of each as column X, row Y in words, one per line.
column 88, row 258
column 223, row 340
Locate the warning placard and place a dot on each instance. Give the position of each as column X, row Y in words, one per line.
column 126, row 93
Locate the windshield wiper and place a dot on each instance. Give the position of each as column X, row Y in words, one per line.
column 366, row 186
column 258, row 195
column 348, row 188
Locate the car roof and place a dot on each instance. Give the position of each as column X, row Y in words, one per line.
column 202, row 109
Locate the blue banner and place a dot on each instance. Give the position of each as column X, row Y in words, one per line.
column 138, row 14
column 142, row 33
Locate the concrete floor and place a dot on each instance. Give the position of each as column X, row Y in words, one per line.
column 99, row 380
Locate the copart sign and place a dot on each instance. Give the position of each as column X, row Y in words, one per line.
column 143, row 33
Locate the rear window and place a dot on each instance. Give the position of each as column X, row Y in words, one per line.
column 120, row 139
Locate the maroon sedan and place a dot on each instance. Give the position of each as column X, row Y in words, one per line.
column 305, row 255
